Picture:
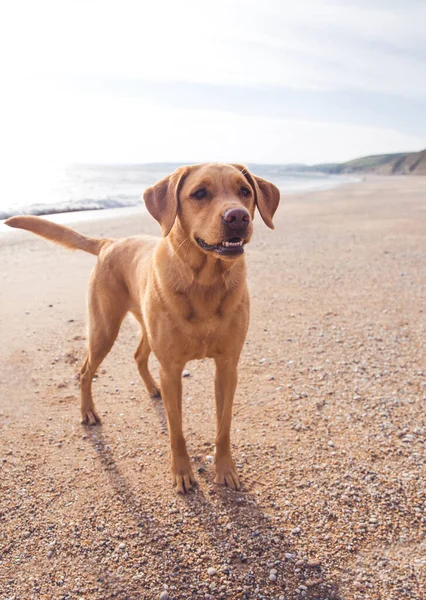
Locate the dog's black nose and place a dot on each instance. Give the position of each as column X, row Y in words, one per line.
column 236, row 218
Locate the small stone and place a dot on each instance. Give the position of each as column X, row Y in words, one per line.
column 273, row 572
column 288, row 555
column 359, row 586
column 186, row 373
column 296, row 531
column 164, row 596
column 211, row 571
column 122, row 546
column 50, row 554
column 272, row 577
column 313, row 582
column 330, row 443
column 314, row 563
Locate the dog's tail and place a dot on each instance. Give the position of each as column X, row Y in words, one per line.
column 58, row 233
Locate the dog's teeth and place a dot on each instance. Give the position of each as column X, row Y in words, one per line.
column 228, row 244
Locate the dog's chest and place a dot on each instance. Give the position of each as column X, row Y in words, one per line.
column 200, row 338
column 207, row 321
column 198, row 321
column 204, row 305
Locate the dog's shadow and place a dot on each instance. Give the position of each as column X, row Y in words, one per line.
column 243, row 540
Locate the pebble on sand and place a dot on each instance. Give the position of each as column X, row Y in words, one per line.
column 186, row 373
column 164, row 596
column 211, row 571
column 314, row 563
column 312, row 582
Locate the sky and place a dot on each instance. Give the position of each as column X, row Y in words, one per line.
column 258, row 81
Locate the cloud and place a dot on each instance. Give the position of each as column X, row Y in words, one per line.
column 85, row 129
column 311, row 44
column 192, row 80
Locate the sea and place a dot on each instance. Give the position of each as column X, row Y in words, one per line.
column 65, row 189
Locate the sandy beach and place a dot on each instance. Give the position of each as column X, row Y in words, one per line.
column 328, row 432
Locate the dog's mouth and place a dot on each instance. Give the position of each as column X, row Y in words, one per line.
column 232, row 247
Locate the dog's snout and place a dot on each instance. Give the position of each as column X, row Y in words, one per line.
column 236, row 218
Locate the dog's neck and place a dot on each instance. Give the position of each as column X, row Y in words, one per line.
column 195, row 267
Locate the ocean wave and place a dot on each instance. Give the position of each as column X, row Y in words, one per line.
column 68, row 207
column 95, row 188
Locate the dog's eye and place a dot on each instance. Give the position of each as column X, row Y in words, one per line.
column 245, row 192
column 200, row 194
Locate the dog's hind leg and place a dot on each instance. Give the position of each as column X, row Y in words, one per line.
column 107, row 308
column 141, row 357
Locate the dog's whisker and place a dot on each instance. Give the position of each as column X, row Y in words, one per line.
column 175, row 253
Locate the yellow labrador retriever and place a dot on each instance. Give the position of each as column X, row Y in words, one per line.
column 187, row 290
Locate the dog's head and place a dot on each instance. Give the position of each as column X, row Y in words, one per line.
column 212, row 205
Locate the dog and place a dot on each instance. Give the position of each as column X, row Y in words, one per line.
column 187, row 290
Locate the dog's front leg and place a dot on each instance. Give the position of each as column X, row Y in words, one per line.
column 225, row 385
column 171, row 391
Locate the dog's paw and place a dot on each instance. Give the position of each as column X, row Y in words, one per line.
column 90, row 417
column 183, row 477
column 226, row 475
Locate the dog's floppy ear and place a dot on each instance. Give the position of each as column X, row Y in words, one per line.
column 267, row 195
column 162, row 199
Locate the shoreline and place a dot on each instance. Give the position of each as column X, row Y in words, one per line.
column 328, row 182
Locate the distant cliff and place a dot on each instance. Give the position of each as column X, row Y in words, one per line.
column 405, row 163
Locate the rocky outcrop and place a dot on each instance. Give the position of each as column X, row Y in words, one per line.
column 407, row 163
